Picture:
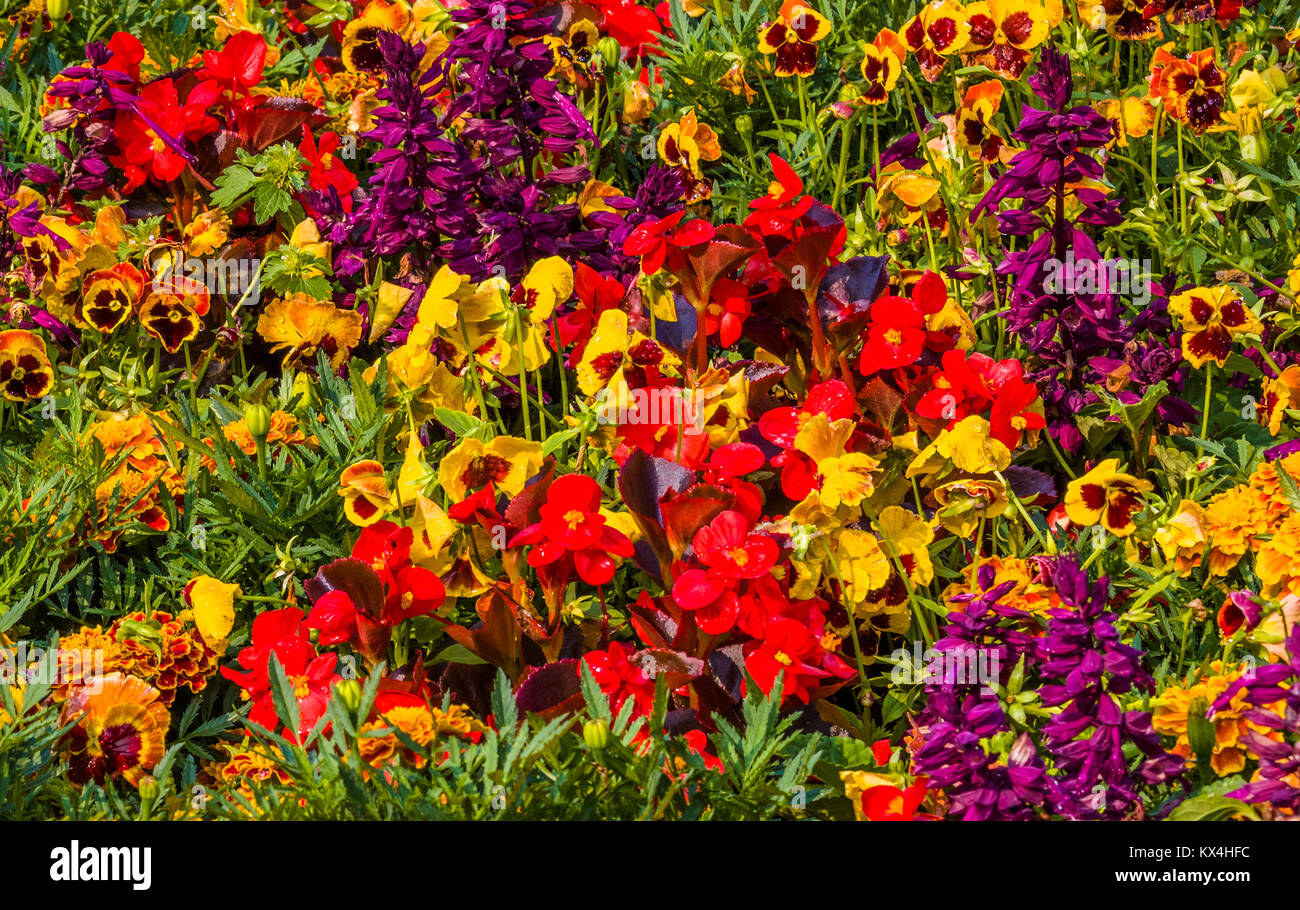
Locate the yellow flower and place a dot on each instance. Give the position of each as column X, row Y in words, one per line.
column 300, row 326
column 1183, row 539
column 964, row 503
column 1211, row 318
column 968, row 446
column 863, row 565
column 212, row 603
column 844, row 478
column 506, row 462
column 366, row 498
column 1108, row 497
column 688, row 142
column 1279, row 395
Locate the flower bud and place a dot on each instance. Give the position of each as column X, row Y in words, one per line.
column 349, row 692
column 610, row 49
column 56, row 9
column 258, row 419
column 596, row 734
column 148, row 787
column 745, row 126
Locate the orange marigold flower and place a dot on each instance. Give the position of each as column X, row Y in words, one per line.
column 120, row 728
column 85, row 654
column 1171, row 708
column 159, row 648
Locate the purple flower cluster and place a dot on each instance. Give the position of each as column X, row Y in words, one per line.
column 1078, row 337
column 1090, row 666
column 1279, row 762
column 958, row 718
column 1079, row 667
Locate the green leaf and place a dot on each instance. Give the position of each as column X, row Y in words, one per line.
column 1211, row 808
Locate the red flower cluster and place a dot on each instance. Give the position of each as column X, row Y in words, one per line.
column 283, row 634
column 359, row 601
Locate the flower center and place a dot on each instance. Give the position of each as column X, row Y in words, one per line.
column 893, row 336
column 783, row 658
column 573, row 518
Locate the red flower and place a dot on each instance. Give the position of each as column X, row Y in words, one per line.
column 729, row 547
column 727, row 311
column 126, row 53
column 1011, row 415
column 780, row 426
column 655, row 241
column 787, row 647
column 325, row 169
column 236, row 68
column 620, row 679
column 149, row 142
column 595, row 294
column 281, row 632
column 891, row 804
column 573, row 534
column 896, row 337
column 784, row 204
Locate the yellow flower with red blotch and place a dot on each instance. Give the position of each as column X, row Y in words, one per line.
column 574, row 54
column 361, row 36
column 882, row 64
column 507, row 462
column 366, row 497
column 1281, row 393
column 793, row 38
column 1211, row 318
column 25, row 370
column 173, row 312
column 119, row 729
column 940, row 30
column 687, row 142
column 1106, row 496
column 109, row 296
column 1193, row 90
column 1004, row 33
column 975, row 131
column 300, row 326
column 963, row 504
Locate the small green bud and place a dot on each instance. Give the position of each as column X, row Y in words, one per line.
column 610, row 49
column 745, row 125
column 258, row 419
column 56, row 9
column 149, row 789
column 596, row 734
column 349, row 692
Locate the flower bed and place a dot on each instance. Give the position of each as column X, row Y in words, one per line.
column 587, row 410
